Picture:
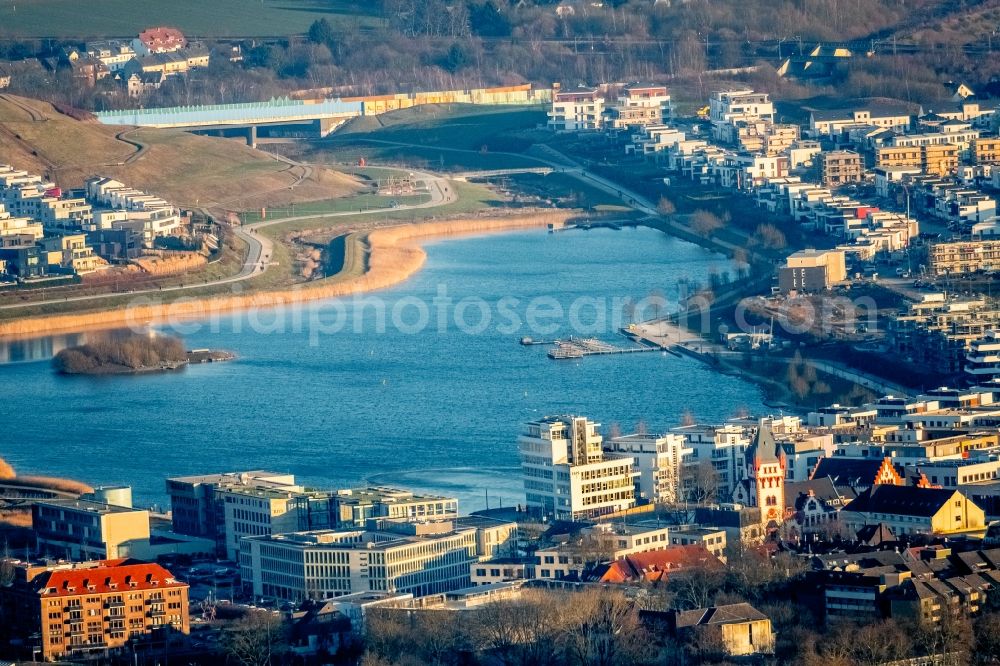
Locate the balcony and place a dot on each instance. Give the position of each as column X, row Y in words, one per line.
column 157, row 612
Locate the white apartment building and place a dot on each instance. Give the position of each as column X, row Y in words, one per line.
column 566, row 472
column 658, row 461
column 11, row 177
column 576, row 110
column 151, row 224
column 831, row 122
column 19, row 226
column 723, row 447
column 133, row 209
column 653, row 139
column 640, row 105
column 953, row 474
column 65, row 214
column 982, row 360
column 417, row 558
column 727, row 108
column 961, row 138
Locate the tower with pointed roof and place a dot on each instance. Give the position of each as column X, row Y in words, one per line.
column 764, row 485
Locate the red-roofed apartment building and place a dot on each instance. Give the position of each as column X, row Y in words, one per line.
column 158, row 40
column 93, row 608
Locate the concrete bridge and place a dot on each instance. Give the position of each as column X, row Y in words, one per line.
column 276, row 118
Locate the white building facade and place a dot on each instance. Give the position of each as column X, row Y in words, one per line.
column 567, row 474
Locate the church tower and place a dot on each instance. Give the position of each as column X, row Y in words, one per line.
column 764, row 485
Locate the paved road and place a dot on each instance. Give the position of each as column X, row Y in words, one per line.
column 259, row 247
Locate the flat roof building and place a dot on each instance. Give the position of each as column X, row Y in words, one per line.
column 84, row 530
column 812, row 270
column 568, row 475
column 416, row 558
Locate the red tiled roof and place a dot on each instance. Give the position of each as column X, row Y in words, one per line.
column 654, row 565
column 108, row 576
column 162, row 38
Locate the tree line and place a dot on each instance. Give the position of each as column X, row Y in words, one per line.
column 433, row 44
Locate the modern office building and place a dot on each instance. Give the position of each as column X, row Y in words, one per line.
column 812, row 270
column 568, row 475
column 85, row 530
column 228, row 507
column 355, row 506
column 197, row 508
column 418, row 558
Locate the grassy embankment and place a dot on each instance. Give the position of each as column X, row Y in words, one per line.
column 448, row 137
column 191, row 171
column 219, row 18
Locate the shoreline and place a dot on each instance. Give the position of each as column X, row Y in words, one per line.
column 394, row 255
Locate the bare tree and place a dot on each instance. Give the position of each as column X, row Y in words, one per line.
column 705, row 223
column 701, row 482
column 7, row 567
column 696, row 587
column 605, row 630
column 950, row 640
column 525, row 632
column 255, row 639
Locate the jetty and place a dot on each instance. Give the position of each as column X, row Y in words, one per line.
column 587, row 225
column 573, row 348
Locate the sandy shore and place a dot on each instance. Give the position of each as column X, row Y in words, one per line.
column 394, row 255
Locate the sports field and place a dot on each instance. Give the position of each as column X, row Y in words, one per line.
column 71, row 19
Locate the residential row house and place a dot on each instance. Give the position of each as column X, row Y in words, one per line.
column 41, row 232
column 123, row 207
column 924, row 585
column 830, row 123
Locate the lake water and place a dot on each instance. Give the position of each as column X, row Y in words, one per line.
column 323, row 392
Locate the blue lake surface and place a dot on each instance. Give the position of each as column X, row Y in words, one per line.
column 432, row 409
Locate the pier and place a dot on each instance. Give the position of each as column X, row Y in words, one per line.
column 580, row 347
column 587, row 225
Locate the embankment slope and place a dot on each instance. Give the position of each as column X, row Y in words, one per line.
column 180, row 167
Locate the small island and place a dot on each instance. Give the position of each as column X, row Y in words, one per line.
column 131, row 355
